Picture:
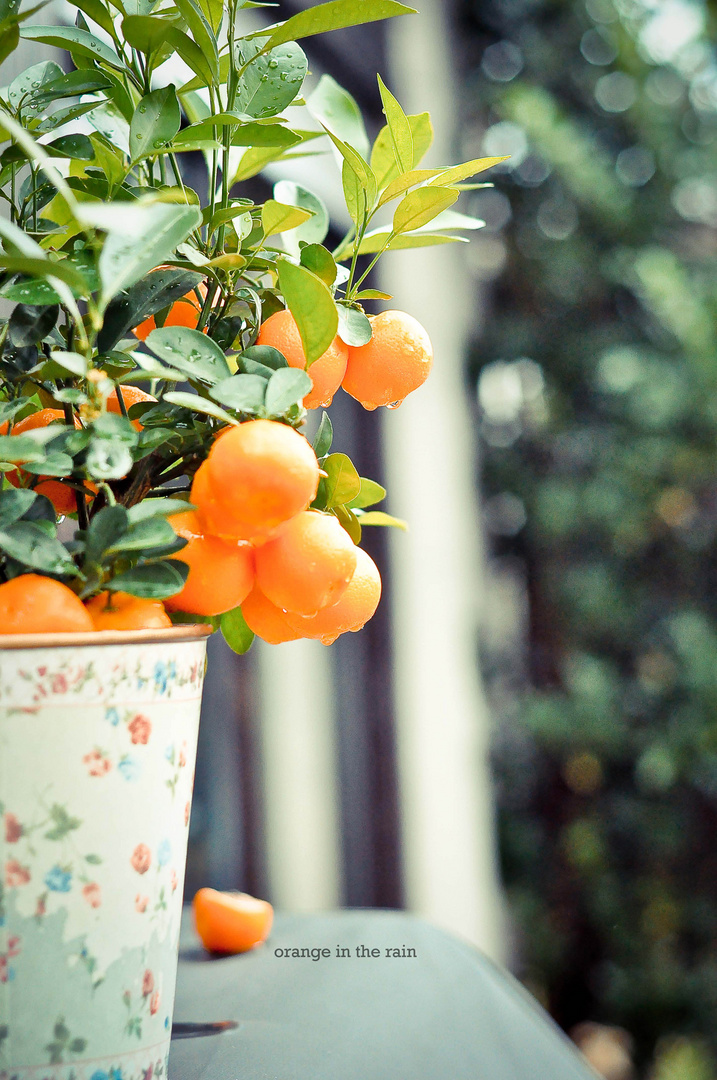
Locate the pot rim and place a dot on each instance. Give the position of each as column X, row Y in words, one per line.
column 190, row 632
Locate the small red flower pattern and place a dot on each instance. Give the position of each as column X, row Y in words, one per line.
column 140, row 903
column 140, row 728
column 141, row 859
column 147, row 983
column 16, row 874
column 154, row 1002
column 13, row 829
column 92, row 894
column 98, row 764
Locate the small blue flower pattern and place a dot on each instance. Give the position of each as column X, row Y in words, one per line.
column 58, row 880
column 113, row 716
column 164, row 852
column 129, row 767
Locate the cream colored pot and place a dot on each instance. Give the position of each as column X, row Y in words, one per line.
column 98, row 736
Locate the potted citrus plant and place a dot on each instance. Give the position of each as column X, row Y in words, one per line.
column 160, row 359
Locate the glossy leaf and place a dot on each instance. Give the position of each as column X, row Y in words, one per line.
column 155, row 122
column 354, row 327
column 337, row 110
column 235, row 631
column 320, row 261
column 312, row 305
column 343, row 482
column 462, row 172
column 189, row 351
column 277, row 217
column 378, row 517
column 285, row 388
column 370, row 494
column 201, row 33
column 31, row 544
column 77, row 42
column 270, row 81
column 153, row 581
column 315, row 228
column 399, row 128
column 324, row 436
column 243, row 393
column 335, row 15
column 419, row 207
column 200, row 405
column 146, row 297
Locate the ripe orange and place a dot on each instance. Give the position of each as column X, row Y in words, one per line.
column 257, row 476
column 307, row 565
column 326, row 373
column 267, row 621
column 184, row 312
column 354, row 609
column 122, row 611
column 221, row 574
column 394, row 362
column 32, row 604
column 231, row 922
column 131, row 395
column 60, row 495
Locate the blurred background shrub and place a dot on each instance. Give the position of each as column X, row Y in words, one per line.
column 596, row 374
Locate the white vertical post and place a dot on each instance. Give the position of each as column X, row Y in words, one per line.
column 301, row 802
column 442, row 721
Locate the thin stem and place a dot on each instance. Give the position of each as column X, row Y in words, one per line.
column 373, row 262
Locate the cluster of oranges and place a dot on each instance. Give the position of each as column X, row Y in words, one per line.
column 252, row 541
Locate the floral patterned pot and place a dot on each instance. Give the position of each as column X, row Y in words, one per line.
column 98, row 736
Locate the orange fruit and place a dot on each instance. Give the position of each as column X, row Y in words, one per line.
column 183, row 312
column 356, row 606
column 266, row 620
column 131, row 395
column 231, row 922
column 394, row 362
column 122, row 611
column 257, row 476
column 307, row 565
column 60, row 495
column 32, row 604
column 221, row 574
column 280, row 331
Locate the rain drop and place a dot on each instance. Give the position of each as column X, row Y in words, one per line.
column 36, row 84
column 394, row 404
column 142, row 108
column 273, row 64
column 369, row 408
column 138, row 136
column 158, row 143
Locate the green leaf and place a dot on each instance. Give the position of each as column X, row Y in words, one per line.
column 77, row 146
column 189, row 351
column 77, row 42
column 421, row 206
column 324, row 436
column 321, row 18
column 77, row 1046
column 146, row 33
column 374, row 241
column 151, row 532
column 468, row 168
column 85, row 81
column 70, row 361
column 30, row 544
column 422, row 133
column 356, row 163
column 201, row 33
column 158, row 290
column 191, row 54
column 378, row 517
column 383, row 160
column 271, row 80
column 321, row 262
column 29, row 80
column 152, row 581
column 163, row 507
column 354, row 327
column 140, row 238
column 349, row 522
column 97, row 11
column 312, row 305
column 343, row 482
column 243, row 393
column 287, row 387
column 104, row 530
column 265, row 355
column 28, row 324
column 315, row 228
column 14, row 504
column 235, row 631
column 155, row 122
column 337, row 110
column 399, row 128
column 93, row 860
column 21, row 448
column 405, row 181
column 200, row 405
column 277, row 217
column 370, row 494
column 108, row 459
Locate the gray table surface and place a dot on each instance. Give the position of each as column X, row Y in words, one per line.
column 446, row 1014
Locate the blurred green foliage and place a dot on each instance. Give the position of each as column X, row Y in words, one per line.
column 597, row 378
